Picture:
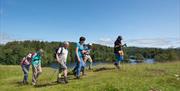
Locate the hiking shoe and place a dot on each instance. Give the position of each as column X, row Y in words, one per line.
column 74, row 72
column 33, row 83
column 24, row 82
column 66, row 80
column 77, row 77
column 84, row 74
column 117, row 66
column 59, row 80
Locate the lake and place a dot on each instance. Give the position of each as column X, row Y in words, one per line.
column 148, row 61
column 132, row 61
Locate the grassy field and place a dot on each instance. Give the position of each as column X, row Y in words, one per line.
column 140, row 77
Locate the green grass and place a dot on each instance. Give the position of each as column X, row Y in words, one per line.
column 141, row 77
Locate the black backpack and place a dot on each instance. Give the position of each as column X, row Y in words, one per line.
column 56, row 50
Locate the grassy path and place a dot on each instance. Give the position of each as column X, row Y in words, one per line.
column 141, row 77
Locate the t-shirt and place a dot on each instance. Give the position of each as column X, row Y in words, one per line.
column 36, row 59
column 88, row 49
column 27, row 60
column 118, row 48
column 63, row 55
column 80, row 49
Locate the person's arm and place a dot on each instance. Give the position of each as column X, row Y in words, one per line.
column 26, row 61
column 118, row 44
column 22, row 61
column 67, row 55
column 57, row 55
column 77, row 54
column 88, row 52
column 84, row 51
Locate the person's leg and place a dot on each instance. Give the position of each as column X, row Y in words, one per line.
column 79, row 68
column 120, row 59
column 24, row 72
column 27, row 72
column 76, row 66
column 34, row 74
column 65, row 75
column 90, row 64
column 75, row 69
column 117, row 60
column 59, row 74
column 85, row 58
column 39, row 69
column 83, row 68
column 65, row 72
column 63, row 68
column 25, row 69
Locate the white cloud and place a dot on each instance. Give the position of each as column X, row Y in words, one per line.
column 5, row 38
column 105, row 41
column 146, row 42
column 155, row 42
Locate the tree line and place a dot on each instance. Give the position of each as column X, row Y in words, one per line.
column 12, row 52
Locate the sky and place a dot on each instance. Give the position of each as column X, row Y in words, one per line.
column 141, row 23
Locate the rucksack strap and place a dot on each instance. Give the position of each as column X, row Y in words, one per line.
column 60, row 51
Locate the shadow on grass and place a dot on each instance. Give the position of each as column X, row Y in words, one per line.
column 20, row 83
column 40, row 85
column 103, row 69
column 46, row 84
column 54, row 83
column 157, row 71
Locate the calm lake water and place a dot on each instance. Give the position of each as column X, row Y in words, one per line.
column 148, row 61
column 132, row 61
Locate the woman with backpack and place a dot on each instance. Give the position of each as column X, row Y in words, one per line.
column 118, row 51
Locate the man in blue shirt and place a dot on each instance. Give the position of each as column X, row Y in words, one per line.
column 80, row 51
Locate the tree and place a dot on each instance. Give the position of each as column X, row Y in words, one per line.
column 13, row 52
column 139, row 57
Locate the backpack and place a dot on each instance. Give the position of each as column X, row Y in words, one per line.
column 56, row 50
column 30, row 55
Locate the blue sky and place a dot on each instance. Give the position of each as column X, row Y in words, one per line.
column 144, row 23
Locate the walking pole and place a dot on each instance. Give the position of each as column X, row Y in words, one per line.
column 55, row 68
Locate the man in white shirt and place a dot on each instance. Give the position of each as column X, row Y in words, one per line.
column 61, row 57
